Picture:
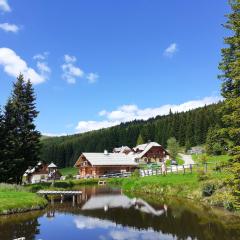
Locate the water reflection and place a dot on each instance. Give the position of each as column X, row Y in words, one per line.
column 106, row 213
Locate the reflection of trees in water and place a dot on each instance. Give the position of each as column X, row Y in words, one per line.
column 186, row 225
column 179, row 221
column 21, row 225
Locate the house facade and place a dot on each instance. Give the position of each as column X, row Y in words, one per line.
column 41, row 172
column 151, row 152
column 123, row 159
column 98, row 164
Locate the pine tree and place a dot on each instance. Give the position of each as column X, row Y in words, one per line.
column 2, row 146
column 32, row 136
column 12, row 144
column 230, row 67
column 172, row 147
column 140, row 140
column 22, row 141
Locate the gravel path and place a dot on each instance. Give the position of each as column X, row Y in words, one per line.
column 187, row 159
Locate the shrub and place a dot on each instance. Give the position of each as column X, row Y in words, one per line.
column 68, row 184
column 202, row 176
column 229, row 205
column 136, row 173
column 203, row 159
column 208, row 189
column 69, row 176
column 35, row 188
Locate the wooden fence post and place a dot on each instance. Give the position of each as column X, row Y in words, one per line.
column 205, row 167
column 183, row 169
column 190, row 167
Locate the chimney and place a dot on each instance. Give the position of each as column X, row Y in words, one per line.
column 105, row 152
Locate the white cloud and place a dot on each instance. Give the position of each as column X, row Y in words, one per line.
column 41, row 56
column 83, row 222
column 70, row 59
column 7, row 27
column 127, row 113
column 53, row 134
column 70, row 71
column 42, row 64
column 13, row 65
column 92, row 77
column 170, row 50
column 134, row 234
column 86, row 126
column 4, row 6
column 43, row 67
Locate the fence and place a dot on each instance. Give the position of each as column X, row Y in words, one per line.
column 182, row 169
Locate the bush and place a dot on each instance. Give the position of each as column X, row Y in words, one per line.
column 64, row 184
column 136, row 173
column 202, row 176
column 208, row 189
column 69, row 176
column 229, row 206
column 203, row 159
column 35, row 188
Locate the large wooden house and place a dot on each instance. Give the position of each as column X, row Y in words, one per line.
column 97, row 164
column 123, row 159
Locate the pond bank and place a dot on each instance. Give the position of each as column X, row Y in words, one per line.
column 20, row 201
column 209, row 189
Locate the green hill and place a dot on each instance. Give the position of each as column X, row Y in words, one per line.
column 189, row 128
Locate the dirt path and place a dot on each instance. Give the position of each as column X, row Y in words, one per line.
column 187, row 159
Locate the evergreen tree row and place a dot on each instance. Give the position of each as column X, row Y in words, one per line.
column 189, row 128
column 19, row 140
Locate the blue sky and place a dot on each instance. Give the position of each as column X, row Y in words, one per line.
column 96, row 63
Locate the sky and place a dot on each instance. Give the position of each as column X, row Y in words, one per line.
column 96, row 63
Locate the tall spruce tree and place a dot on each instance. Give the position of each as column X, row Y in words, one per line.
column 11, row 156
column 230, row 67
column 2, row 146
column 22, row 140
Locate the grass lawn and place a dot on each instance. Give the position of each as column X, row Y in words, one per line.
column 17, row 199
column 178, row 159
column 70, row 170
column 181, row 185
column 197, row 158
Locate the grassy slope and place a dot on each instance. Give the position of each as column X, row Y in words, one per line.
column 71, row 170
column 213, row 159
column 180, row 185
column 18, row 200
column 178, row 159
column 159, row 184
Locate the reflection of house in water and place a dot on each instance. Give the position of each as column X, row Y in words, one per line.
column 121, row 201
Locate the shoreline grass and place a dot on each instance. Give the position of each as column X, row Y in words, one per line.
column 69, row 171
column 16, row 199
column 208, row 188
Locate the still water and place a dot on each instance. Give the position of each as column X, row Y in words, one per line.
column 106, row 213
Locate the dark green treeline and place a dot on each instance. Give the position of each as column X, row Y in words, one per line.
column 189, row 128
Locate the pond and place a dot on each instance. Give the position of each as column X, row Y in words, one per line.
column 106, row 213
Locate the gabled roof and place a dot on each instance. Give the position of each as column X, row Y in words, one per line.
column 144, row 148
column 122, row 149
column 52, row 165
column 110, row 159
